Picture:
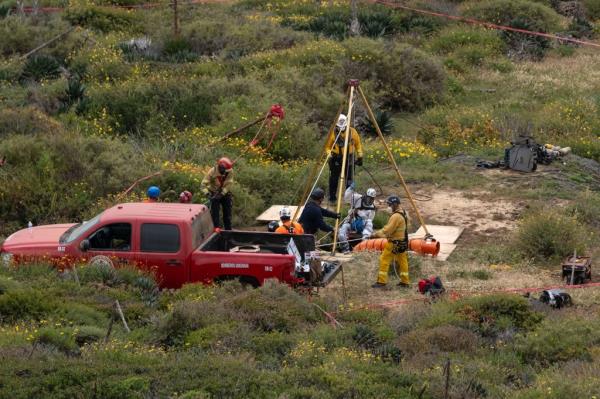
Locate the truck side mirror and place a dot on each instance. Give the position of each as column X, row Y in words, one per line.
column 84, row 245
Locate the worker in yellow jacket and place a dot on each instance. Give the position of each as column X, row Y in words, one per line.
column 336, row 148
column 216, row 185
column 396, row 232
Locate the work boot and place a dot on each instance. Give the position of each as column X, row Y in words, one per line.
column 403, row 285
column 378, row 285
column 345, row 247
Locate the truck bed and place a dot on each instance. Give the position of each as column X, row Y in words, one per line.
column 263, row 242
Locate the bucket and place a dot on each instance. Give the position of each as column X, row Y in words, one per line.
column 424, row 247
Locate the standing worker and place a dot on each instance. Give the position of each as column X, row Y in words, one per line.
column 152, row 194
column 396, row 232
column 312, row 215
column 217, row 187
column 337, row 152
column 360, row 215
column 287, row 226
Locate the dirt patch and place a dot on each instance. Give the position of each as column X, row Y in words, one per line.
column 478, row 211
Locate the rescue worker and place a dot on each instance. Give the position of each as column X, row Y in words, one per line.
column 396, row 232
column 360, row 215
column 216, row 185
column 287, row 226
column 185, row 197
column 355, row 154
column 312, row 215
column 152, row 194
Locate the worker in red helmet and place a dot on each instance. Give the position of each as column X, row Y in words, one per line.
column 185, row 197
column 216, row 185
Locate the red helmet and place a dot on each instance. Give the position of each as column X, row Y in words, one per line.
column 225, row 163
column 185, row 197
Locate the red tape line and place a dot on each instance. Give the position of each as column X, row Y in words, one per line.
column 483, row 23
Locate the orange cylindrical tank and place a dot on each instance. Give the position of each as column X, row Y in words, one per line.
column 419, row 245
column 424, row 246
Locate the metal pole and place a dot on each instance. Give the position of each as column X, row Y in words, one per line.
column 391, row 158
column 342, row 181
column 175, row 19
column 314, row 171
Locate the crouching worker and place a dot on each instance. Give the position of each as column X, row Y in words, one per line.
column 216, row 185
column 312, row 215
column 396, row 232
column 287, row 226
column 360, row 216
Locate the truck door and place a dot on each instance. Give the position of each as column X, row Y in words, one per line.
column 163, row 250
column 111, row 244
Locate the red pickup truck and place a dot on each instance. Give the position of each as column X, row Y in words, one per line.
column 176, row 241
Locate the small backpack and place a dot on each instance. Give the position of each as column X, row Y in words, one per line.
column 431, row 286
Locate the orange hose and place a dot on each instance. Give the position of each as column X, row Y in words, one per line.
column 417, row 245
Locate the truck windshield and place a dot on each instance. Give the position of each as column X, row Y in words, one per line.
column 77, row 230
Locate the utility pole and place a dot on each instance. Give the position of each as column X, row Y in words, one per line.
column 175, row 19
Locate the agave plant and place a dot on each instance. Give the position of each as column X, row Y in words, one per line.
column 384, row 120
column 40, row 67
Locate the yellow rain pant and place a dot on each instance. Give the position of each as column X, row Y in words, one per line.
column 385, row 260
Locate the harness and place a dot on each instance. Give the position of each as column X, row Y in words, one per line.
column 291, row 229
column 400, row 246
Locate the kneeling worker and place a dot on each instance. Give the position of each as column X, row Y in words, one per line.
column 360, row 216
column 312, row 215
column 217, row 185
column 287, row 226
column 396, row 232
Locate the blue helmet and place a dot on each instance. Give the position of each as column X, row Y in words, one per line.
column 153, row 192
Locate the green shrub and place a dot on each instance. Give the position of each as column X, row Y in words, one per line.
column 586, row 208
column 24, row 304
column 521, row 14
column 81, row 169
column 456, row 37
column 135, row 387
column 185, row 317
column 80, row 314
column 550, row 234
column 40, row 67
column 88, row 334
column 592, row 7
column 558, row 341
column 60, row 339
column 492, row 314
column 438, row 339
column 273, row 307
column 102, row 19
column 7, row 284
column 488, row 315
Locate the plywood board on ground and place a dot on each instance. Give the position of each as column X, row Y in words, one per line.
column 273, row 212
column 445, row 251
column 444, row 234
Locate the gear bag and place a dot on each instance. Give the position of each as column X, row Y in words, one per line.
column 431, row 286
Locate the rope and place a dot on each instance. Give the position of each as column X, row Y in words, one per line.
column 322, row 169
column 484, row 24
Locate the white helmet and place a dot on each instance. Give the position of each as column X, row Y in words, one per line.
column 342, row 122
column 285, row 213
column 371, row 193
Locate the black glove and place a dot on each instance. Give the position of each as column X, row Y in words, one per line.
column 338, row 215
column 358, row 161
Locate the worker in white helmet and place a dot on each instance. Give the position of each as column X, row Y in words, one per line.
column 336, row 150
column 360, row 215
column 287, row 225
